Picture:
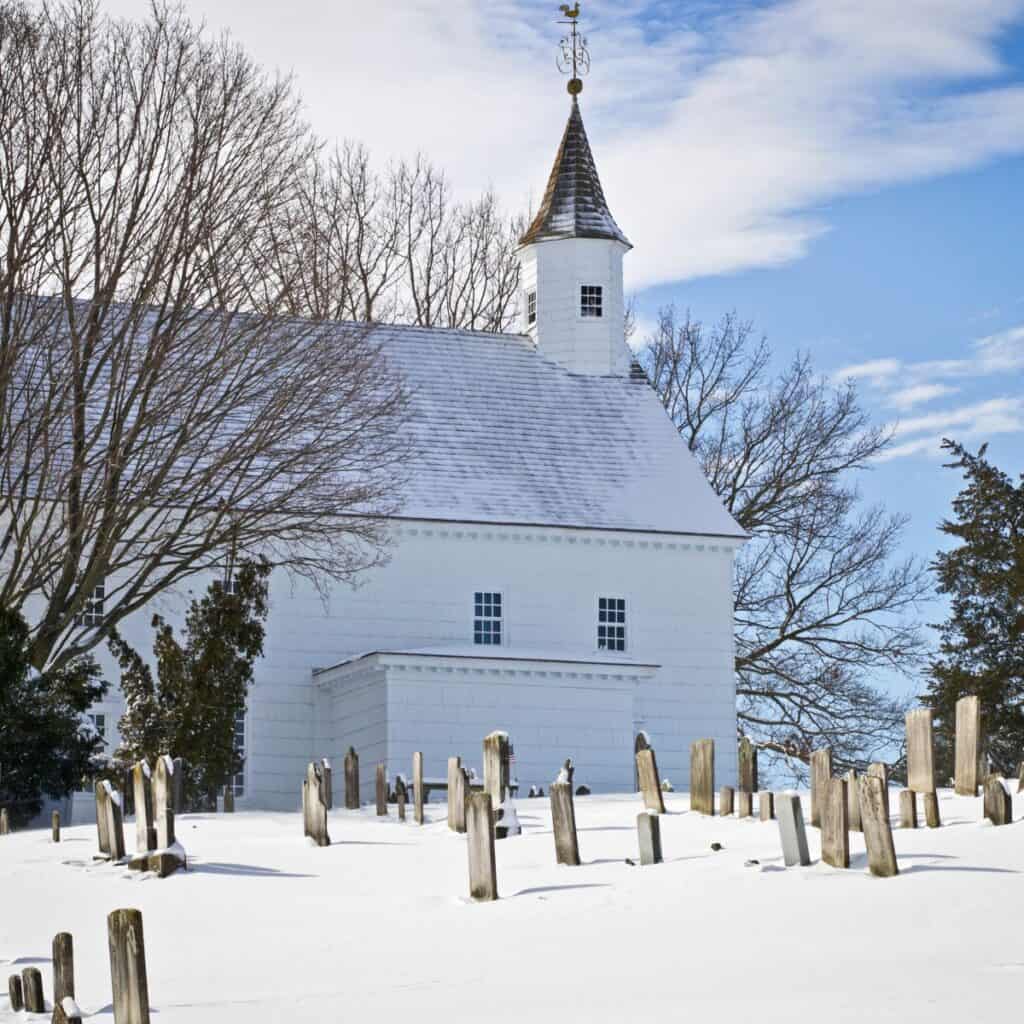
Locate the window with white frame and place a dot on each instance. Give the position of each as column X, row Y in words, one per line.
column 611, row 623
column 99, row 723
column 591, row 300
column 487, row 617
column 91, row 614
column 238, row 781
column 531, row 307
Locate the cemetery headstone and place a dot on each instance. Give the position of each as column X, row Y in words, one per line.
column 821, row 775
column 908, row 808
column 229, row 798
column 1020, row 778
column 726, row 801
column 382, row 791
column 145, row 829
column 920, row 751
column 745, row 801
column 55, row 826
column 103, row 835
column 5, row 822
column 998, row 805
column 791, row 830
column 766, row 804
column 835, row 825
column 747, row 766
column 167, row 856
column 874, row 814
column 115, row 822
column 400, row 796
column 563, row 821
column 417, row 787
column 456, row 795
column 15, row 993
column 63, row 967
column 483, row 877
column 32, row 989
column 128, row 967
column 968, row 745
column 178, row 785
column 853, row 801
column 880, row 770
column 702, row 776
column 66, row 1012
column 647, row 771
column 497, row 754
column 931, row 810
column 640, row 742
column 316, row 805
column 648, row 830
column 327, row 775
column 352, row 780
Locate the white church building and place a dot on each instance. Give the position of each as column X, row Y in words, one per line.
column 560, row 567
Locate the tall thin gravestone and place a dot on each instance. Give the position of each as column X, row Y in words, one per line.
column 821, row 774
column 229, row 798
column 791, row 830
column 726, row 801
column 178, row 785
column 55, row 826
column 563, row 822
column 1020, row 778
column 908, row 808
column 483, row 876
column 920, row 751
column 853, row 801
column 648, row 830
column 401, row 792
column 497, row 759
column 968, row 745
column 352, row 780
column 766, row 804
column 63, row 967
column 102, row 820
column 145, row 830
column 998, row 804
column 163, row 802
column 327, row 782
column 745, row 804
column 650, row 785
column 115, row 822
column 456, row 795
column 417, row 787
column 128, row 967
column 835, row 825
column 316, row 806
column 931, row 809
column 5, row 822
column 747, row 766
column 879, row 770
column 382, row 790
column 702, row 776
column 874, row 813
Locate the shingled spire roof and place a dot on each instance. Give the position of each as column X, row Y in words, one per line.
column 574, row 205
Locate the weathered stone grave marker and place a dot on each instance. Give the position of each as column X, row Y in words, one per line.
column 115, row 822
column 879, row 770
column 55, row 826
column 853, row 801
column 766, row 804
column 650, row 785
column 908, row 809
column 821, row 775
column 352, row 780
column 315, row 805
column 417, row 787
column 563, row 821
column 496, row 767
column 166, row 856
column 920, row 751
column 177, row 785
column 32, row 989
column 15, row 993
column 229, row 798
column 327, row 782
column 791, row 830
column 726, row 800
column 145, row 829
column 5, row 822
column 401, row 793
column 968, row 745
column 128, row 967
column 483, row 877
column 63, row 967
column 702, row 776
column 382, row 790
column 874, row 813
column 456, row 795
column 747, row 756
column 998, row 805
column 648, row 830
column 835, row 825
column 1020, row 778
column 102, row 821
column 931, row 810
column 745, row 804
column 66, row 1012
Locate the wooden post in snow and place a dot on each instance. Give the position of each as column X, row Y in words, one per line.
column 382, row 790
column 968, row 745
column 417, row 787
column 650, row 784
column 128, row 967
column 63, row 967
column 835, row 825
column 483, row 876
column 456, row 795
column 563, row 822
column 874, row 813
column 702, row 776
column 352, row 780
column 821, row 775
column 725, row 801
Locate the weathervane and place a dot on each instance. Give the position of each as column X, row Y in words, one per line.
column 573, row 55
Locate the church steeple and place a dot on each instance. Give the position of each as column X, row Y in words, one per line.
column 571, row 255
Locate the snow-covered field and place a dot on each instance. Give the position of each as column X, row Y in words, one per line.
column 266, row 927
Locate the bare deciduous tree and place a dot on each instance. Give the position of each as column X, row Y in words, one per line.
column 822, row 600
column 155, row 413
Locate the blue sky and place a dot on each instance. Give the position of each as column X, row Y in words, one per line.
column 848, row 174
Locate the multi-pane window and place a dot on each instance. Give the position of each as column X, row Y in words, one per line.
column 238, row 781
column 92, row 613
column 486, row 617
column 531, row 307
column 99, row 723
column 591, row 301
column 611, row 623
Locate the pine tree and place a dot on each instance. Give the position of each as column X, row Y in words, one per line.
column 201, row 683
column 46, row 745
column 982, row 641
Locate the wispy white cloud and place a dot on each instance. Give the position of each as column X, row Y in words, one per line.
column 908, row 398
column 719, row 129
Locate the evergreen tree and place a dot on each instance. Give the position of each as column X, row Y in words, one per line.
column 982, row 641
column 189, row 709
column 46, row 745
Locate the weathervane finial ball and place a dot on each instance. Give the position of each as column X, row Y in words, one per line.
column 575, row 86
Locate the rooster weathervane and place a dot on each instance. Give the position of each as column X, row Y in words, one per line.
column 573, row 55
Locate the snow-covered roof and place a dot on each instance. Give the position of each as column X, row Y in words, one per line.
column 504, row 435
column 573, row 205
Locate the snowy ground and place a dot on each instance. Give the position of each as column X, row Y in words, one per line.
column 265, row 927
